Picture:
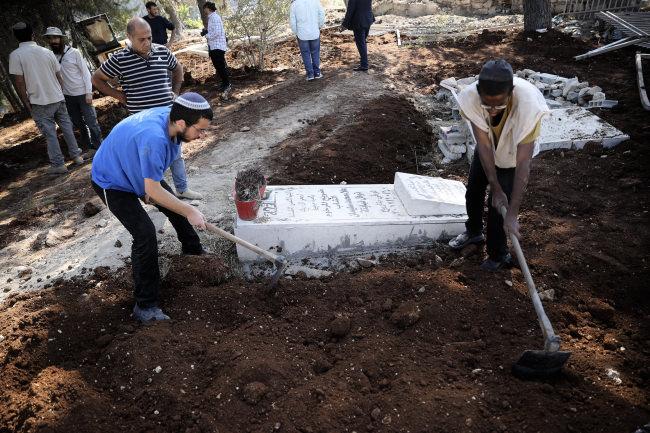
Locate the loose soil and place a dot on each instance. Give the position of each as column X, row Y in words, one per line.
column 416, row 344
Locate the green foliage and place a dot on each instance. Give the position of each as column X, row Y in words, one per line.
column 257, row 22
column 184, row 14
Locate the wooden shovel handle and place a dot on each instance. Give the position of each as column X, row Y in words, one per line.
column 266, row 254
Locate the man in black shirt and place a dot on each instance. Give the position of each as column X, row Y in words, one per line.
column 159, row 25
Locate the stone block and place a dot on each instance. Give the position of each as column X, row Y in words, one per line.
column 447, row 152
column 425, row 195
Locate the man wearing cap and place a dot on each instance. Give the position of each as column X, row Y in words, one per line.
column 142, row 68
column 36, row 73
column 77, row 90
column 129, row 167
column 505, row 113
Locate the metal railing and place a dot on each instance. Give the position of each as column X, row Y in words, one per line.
column 586, row 9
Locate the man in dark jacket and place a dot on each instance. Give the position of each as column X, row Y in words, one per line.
column 359, row 18
column 159, row 25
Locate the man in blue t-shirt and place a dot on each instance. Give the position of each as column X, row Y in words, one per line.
column 129, row 167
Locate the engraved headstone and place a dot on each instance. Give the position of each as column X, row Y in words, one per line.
column 425, row 195
column 333, row 220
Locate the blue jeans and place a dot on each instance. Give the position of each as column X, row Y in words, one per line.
column 310, row 52
column 84, row 118
column 46, row 118
column 360, row 36
column 178, row 174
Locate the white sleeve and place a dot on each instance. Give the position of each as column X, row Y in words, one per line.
column 84, row 72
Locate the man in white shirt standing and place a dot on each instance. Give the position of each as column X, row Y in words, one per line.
column 306, row 18
column 217, row 46
column 77, row 90
column 36, row 73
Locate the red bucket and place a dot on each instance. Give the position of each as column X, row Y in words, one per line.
column 247, row 210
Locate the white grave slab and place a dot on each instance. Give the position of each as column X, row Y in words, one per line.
column 337, row 220
column 572, row 128
column 425, row 195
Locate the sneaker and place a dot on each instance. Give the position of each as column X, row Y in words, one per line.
column 90, row 153
column 188, row 194
column 310, row 78
column 60, row 169
column 145, row 315
column 464, row 239
column 495, row 265
column 225, row 91
column 360, row 68
column 78, row 159
column 318, row 76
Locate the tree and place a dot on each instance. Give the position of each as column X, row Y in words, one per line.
column 537, row 15
column 257, row 23
column 170, row 9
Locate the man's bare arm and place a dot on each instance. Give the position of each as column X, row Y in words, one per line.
column 177, row 78
column 21, row 87
column 486, row 155
column 522, row 174
column 164, row 198
column 100, row 81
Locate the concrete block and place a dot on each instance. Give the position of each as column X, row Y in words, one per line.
column 306, row 221
column 447, row 152
column 570, row 84
column 572, row 128
column 425, row 195
column 550, row 78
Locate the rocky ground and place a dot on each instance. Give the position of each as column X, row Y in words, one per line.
column 415, row 343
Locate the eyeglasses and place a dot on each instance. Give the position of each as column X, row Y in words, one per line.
column 199, row 130
column 496, row 107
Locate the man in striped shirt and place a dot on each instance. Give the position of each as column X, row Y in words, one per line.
column 142, row 69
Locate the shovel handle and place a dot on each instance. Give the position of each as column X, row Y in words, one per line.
column 551, row 341
column 266, row 254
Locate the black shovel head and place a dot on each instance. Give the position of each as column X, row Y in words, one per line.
column 539, row 364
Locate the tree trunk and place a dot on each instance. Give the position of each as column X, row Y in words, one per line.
column 537, row 15
column 170, row 9
column 8, row 90
column 204, row 17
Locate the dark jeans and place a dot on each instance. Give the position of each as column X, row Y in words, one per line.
column 497, row 243
column 84, row 118
column 218, row 58
column 360, row 37
column 144, row 251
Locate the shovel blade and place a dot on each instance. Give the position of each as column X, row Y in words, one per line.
column 539, row 364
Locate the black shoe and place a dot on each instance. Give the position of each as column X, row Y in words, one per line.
column 506, row 262
column 187, row 252
column 464, row 239
column 360, row 68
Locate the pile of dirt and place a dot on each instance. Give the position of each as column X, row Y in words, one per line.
column 385, row 137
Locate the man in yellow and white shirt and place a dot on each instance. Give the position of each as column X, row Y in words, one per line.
column 505, row 113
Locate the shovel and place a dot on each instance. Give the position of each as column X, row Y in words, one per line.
column 279, row 261
column 537, row 364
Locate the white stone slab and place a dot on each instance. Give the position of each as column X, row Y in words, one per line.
column 572, row 128
column 425, row 195
column 335, row 220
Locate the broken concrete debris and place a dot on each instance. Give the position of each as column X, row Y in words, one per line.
column 569, row 125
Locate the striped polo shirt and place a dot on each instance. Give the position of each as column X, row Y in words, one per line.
column 145, row 82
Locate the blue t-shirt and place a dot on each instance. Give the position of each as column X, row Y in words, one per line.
column 138, row 147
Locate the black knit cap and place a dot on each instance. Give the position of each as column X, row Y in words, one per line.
column 496, row 70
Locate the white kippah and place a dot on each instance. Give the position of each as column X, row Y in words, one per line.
column 193, row 101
